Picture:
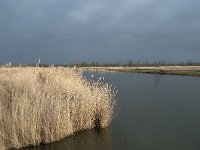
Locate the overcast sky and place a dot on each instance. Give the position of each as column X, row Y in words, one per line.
column 71, row 31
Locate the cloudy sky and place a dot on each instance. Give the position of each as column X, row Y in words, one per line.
column 71, row 31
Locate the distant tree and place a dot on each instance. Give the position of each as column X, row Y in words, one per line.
column 130, row 63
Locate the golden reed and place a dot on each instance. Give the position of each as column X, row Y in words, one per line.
column 43, row 105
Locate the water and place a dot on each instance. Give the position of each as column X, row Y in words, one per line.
column 154, row 112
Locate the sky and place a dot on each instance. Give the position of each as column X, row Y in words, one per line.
column 72, row 31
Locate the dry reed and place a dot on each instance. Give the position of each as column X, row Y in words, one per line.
column 43, row 105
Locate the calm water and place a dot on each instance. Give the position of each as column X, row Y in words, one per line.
column 156, row 112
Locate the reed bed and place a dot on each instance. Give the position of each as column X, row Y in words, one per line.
column 43, row 105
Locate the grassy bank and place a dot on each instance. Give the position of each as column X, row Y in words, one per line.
column 43, row 105
column 172, row 70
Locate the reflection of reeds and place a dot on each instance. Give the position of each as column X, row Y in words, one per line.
column 42, row 105
column 84, row 140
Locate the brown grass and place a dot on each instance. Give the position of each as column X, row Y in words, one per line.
column 43, row 105
column 172, row 70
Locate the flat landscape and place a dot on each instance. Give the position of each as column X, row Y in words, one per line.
column 173, row 70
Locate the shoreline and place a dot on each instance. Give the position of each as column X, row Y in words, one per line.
column 170, row 70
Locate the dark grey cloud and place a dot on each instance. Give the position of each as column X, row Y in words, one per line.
column 64, row 31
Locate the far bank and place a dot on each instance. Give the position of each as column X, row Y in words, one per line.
column 172, row 70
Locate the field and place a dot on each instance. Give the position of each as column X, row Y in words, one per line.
column 173, row 70
column 43, row 105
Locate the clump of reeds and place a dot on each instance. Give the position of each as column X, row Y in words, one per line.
column 42, row 105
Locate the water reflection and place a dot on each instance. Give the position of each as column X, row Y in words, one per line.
column 157, row 78
column 85, row 140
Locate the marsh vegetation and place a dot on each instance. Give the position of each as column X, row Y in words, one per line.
column 43, row 105
column 172, row 70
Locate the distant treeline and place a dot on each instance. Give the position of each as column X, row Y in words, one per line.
column 129, row 63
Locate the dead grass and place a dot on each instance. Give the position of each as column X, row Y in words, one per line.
column 43, row 105
column 172, row 70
